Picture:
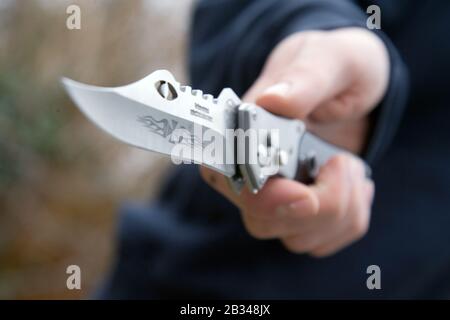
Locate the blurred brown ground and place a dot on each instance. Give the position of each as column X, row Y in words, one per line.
column 61, row 179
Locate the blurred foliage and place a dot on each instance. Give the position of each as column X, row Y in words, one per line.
column 29, row 132
column 61, row 179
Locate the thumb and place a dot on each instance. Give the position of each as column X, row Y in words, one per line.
column 297, row 94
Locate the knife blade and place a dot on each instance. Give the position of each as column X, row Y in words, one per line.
column 142, row 116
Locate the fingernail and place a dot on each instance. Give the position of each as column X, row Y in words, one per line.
column 279, row 89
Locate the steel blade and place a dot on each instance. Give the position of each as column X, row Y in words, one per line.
column 151, row 112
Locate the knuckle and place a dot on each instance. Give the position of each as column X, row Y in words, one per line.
column 297, row 245
column 321, row 253
column 358, row 167
column 339, row 165
column 370, row 190
column 256, row 232
column 291, row 247
column 339, row 189
column 342, row 161
column 341, row 207
column 360, row 225
column 258, row 229
column 338, row 206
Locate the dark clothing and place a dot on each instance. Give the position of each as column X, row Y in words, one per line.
column 191, row 242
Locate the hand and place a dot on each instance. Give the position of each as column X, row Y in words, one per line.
column 331, row 80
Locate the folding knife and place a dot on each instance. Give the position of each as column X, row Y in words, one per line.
column 242, row 141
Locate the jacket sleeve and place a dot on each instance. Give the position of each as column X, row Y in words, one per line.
column 231, row 39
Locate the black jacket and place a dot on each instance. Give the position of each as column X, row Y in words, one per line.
column 191, row 242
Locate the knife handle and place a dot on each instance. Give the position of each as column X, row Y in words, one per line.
column 285, row 146
column 314, row 153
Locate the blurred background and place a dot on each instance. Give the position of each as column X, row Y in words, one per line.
column 61, row 179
